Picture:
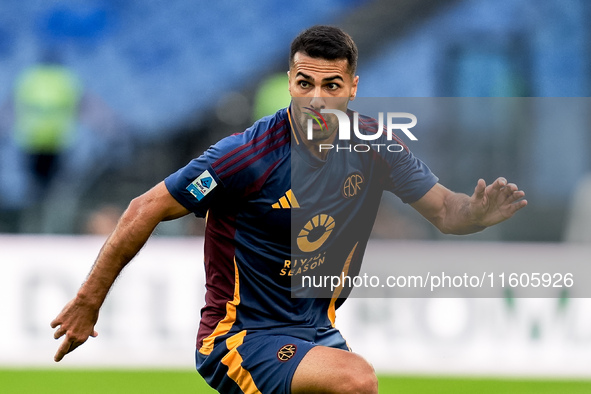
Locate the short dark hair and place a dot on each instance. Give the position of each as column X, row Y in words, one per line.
column 325, row 42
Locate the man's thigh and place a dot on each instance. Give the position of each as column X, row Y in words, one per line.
column 330, row 370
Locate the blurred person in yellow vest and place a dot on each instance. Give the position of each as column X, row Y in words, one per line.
column 271, row 95
column 46, row 100
column 56, row 139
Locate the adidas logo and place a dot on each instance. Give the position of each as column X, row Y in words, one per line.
column 287, row 201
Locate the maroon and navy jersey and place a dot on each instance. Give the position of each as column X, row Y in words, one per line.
column 276, row 212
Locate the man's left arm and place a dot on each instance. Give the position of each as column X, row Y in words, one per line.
column 458, row 213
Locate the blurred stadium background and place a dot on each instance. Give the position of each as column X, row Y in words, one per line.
column 101, row 99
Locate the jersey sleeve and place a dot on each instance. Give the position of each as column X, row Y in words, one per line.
column 405, row 175
column 408, row 177
column 232, row 168
column 195, row 185
column 208, row 178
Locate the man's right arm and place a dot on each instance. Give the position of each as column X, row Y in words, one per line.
column 78, row 318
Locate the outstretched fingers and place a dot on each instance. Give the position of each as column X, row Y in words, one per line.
column 514, row 195
column 70, row 343
column 479, row 190
column 503, row 192
column 516, row 202
column 75, row 324
column 498, row 187
column 496, row 202
column 509, row 198
column 65, row 348
column 60, row 332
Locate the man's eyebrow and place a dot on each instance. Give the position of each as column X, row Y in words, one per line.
column 327, row 79
column 301, row 74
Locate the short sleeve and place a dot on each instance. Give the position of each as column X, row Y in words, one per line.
column 406, row 176
column 409, row 178
column 232, row 168
column 195, row 186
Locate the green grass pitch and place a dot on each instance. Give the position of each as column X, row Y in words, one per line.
column 61, row 381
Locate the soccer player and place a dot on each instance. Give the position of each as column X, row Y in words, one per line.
column 256, row 188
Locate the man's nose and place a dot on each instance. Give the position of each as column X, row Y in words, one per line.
column 317, row 102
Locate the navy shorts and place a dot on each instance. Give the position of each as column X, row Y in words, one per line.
column 262, row 361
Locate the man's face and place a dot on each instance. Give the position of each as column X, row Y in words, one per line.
column 316, row 83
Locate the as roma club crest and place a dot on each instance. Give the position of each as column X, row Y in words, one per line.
column 352, row 185
column 286, row 352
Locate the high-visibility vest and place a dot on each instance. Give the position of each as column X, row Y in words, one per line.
column 46, row 106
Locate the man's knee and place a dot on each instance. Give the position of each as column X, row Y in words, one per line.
column 360, row 382
column 357, row 377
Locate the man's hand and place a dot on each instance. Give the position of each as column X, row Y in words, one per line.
column 458, row 213
column 76, row 321
column 496, row 202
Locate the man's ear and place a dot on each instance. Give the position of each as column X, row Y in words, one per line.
column 354, row 88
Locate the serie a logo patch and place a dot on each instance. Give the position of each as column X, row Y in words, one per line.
column 202, row 185
column 286, row 352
